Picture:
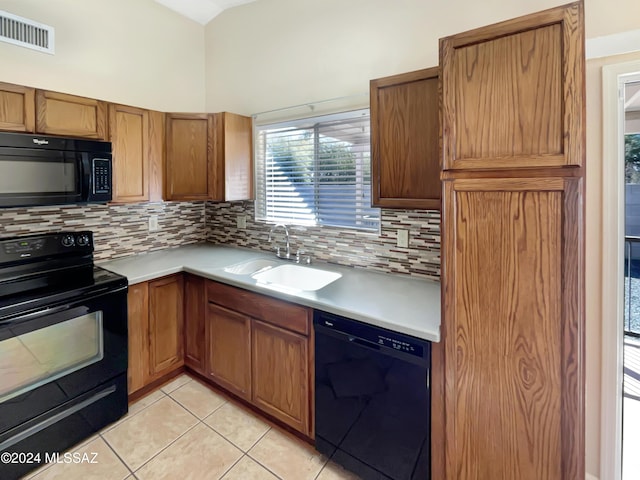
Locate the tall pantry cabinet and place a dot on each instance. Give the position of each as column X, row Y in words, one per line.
column 512, row 382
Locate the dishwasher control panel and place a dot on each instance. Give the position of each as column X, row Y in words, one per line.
column 363, row 333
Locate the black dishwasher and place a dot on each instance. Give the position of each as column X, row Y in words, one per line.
column 372, row 399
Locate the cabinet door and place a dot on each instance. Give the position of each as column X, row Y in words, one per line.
column 129, row 134
column 188, row 152
column 280, row 374
column 405, row 136
column 138, row 306
column 166, row 323
column 62, row 114
column 156, row 156
column 233, row 158
column 513, row 285
column 195, row 304
column 17, row 108
column 229, row 343
column 513, row 93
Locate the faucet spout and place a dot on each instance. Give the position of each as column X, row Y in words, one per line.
column 286, row 236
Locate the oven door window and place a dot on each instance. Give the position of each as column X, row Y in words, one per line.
column 32, row 359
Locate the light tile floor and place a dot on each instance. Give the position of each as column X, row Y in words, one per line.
column 187, row 431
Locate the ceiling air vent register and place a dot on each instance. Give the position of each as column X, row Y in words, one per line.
column 26, row 33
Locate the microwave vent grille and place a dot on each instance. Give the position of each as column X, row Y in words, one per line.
column 26, row 33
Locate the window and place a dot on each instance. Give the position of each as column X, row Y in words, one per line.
column 316, row 171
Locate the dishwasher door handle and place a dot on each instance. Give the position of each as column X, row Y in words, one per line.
column 364, row 343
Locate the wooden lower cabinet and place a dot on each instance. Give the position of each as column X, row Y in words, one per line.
column 195, row 305
column 138, row 307
column 260, row 349
column 254, row 346
column 229, row 349
column 513, row 336
column 166, row 323
column 155, row 330
column 280, row 374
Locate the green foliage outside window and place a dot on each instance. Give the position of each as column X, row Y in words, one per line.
column 632, row 158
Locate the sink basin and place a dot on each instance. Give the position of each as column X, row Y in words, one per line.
column 250, row 266
column 295, row 278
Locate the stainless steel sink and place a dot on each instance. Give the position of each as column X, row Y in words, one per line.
column 249, row 267
column 292, row 278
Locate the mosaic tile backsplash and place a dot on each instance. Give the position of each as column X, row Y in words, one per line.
column 345, row 247
column 123, row 230
column 119, row 230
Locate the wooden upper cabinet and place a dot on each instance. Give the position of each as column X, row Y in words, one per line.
column 189, row 148
column 156, row 155
column 129, row 135
column 62, row 114
column 513, row 93
column 232, row 160
column 405, row 158
column 17, row 108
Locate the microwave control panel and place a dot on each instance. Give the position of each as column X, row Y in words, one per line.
column 101, row 176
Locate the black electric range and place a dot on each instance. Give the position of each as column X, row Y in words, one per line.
column 63, row 347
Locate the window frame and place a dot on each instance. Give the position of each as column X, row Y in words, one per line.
column 363, row 178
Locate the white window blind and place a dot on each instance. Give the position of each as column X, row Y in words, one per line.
column 316, row 171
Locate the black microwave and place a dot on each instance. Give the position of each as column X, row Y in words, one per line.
column 45, row 170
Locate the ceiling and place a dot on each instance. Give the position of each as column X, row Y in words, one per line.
column 202, row 11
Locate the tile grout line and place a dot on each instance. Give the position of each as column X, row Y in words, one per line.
column 121, row 420
column 231, row 441
column 162, row 449
column 202, row 420
column 117, row 455
column 166, row 446
column 199, row 421
column 263, row 466
column 231, row 467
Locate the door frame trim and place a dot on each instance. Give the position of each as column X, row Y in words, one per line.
column 613, row 191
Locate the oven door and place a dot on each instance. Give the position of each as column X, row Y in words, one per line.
column 57, row 360
column 40, row 177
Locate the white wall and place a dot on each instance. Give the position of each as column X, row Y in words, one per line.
column 278, row 53
column 135, row 52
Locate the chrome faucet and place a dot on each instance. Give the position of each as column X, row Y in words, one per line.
column 287, row 254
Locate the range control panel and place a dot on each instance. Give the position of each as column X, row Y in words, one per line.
column 31, row 247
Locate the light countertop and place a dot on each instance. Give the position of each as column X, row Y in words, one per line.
column 402, row 304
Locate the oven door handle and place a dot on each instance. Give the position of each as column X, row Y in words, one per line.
column 38, row 313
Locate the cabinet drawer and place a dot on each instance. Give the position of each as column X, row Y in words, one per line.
column 276, row 312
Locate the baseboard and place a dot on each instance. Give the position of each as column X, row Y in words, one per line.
column 588, row 476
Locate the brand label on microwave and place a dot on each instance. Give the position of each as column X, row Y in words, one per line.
column 37, row 141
